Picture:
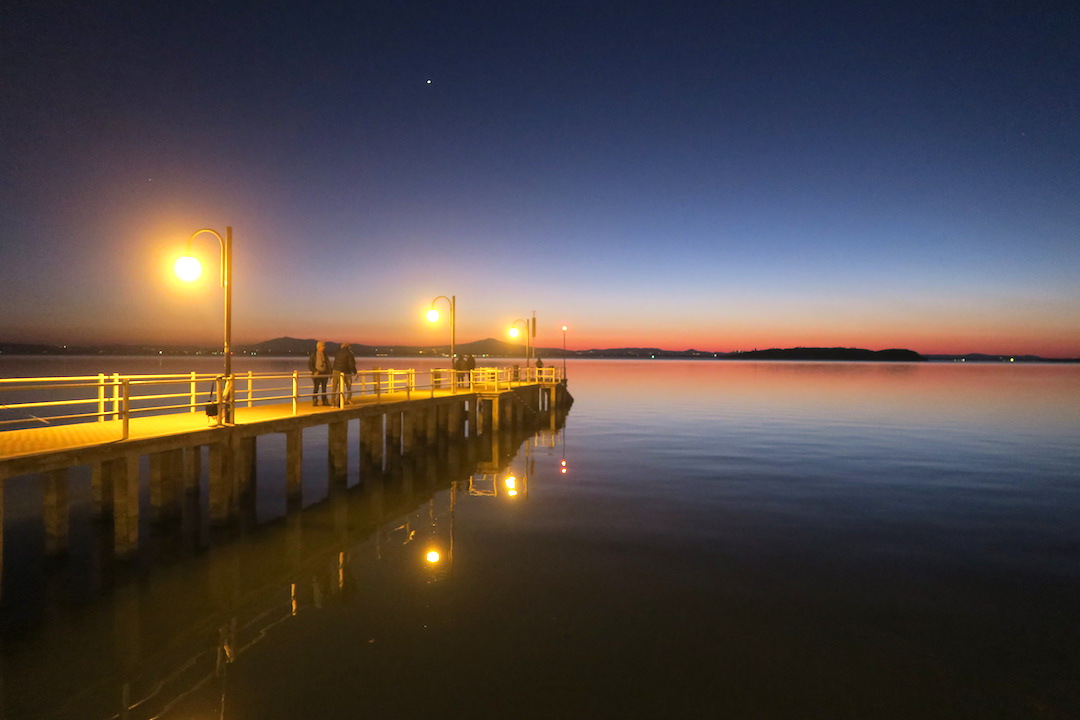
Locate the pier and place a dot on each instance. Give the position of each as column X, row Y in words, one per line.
column 113, row 423
column 139, row 653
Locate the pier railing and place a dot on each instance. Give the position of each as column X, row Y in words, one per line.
column 36, row 401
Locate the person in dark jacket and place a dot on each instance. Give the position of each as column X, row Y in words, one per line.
column 319, row 365
column 344, row 371
column 459, row 369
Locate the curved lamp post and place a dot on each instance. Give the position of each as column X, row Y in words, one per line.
column 189, row 269
column 564, row 352
column 513, row 332
column 433, row 316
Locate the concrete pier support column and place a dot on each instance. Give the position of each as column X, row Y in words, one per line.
column 1, row 545
column 294, row 468
column 122, row 475
column 442, row 422
column 100, row 493
column 431, row 424
column 221, row 483
column 496, row 415
column 165, row 471
column 457, row 418
column 419, row 426
column 408, row 430
column 57, row 511
column 473, row 416
column 371, row 438
column 337, row 441
column 368, row 439
column 393, row 432
column 422, row 437
column 192, row 470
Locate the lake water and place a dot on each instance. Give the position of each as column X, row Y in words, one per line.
column 728, row 540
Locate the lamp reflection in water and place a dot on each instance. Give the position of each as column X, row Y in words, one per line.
column 189, row 269
column 438, row 551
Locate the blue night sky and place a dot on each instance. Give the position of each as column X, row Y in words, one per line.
column 716, row 175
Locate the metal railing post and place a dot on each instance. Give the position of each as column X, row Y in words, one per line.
column 194, row 394
column 101, row 397
column 295, row 391
column 251, row 383
column 223, row 406
column 125, row 409
column 116, row 396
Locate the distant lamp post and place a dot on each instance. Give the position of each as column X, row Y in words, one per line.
column 564, row 351
column 189, row 269
column 433, row 316
column 514, row 332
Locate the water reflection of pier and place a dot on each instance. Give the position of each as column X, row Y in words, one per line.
column 159, row 635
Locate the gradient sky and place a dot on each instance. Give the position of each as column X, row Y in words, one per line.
column 716, row 175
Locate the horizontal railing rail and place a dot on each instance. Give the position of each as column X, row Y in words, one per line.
column 36, row 401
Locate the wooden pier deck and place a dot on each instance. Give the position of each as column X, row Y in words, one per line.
column 27, row 450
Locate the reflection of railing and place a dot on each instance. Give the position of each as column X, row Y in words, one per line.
column 91, row 398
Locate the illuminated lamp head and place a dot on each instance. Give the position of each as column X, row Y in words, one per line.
column 188, row 268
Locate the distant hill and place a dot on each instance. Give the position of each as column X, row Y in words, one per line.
column 815, row 353
column 983, row 358
column 294, row 346
column 490, row 347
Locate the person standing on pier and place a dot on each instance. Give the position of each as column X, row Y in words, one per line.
column 344, row 370
column 319, row 365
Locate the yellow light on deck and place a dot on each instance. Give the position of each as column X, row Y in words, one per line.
column 511, row 482
column 433, row 315
column 433, row 556
column 188, row 268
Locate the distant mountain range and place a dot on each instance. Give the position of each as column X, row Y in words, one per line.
column 490, row 347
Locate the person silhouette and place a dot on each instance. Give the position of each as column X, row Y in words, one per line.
column 320, row 368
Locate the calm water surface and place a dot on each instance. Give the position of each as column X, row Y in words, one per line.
column 743, row 540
